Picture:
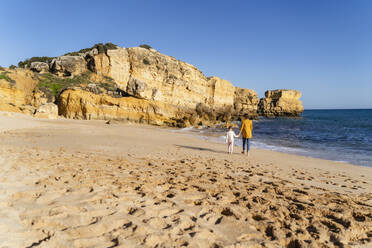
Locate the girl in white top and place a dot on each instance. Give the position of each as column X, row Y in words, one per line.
column 230, row 135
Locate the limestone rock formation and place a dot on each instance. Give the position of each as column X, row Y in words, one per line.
column 281, row 103
column 16, row 89
column 245, row 101
column 222, row 93
column 135, row 84
column 68, row 65
column 79, row 104
column 40, row 67
column 148, row 74
column 47, row 110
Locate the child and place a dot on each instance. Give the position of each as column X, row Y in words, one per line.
column 230, row 135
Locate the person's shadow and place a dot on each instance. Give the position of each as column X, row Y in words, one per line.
column 199, row 148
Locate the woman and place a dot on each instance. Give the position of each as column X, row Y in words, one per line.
column 246, row 131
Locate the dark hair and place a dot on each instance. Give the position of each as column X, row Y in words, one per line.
column 246, row 116
column 230, row 127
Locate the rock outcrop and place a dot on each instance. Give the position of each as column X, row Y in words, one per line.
column 245, row 101
column 135, row 84
column 222, row 93
column 281, row 103
column 68, row 65
column 80, row 104
column 48, row 110
column 150, row 75
column 17, row 90
column 40, row 67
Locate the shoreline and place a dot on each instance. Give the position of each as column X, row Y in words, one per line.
column 72, row 183
column 218, row 140
column 28, row 123
column 188, row 131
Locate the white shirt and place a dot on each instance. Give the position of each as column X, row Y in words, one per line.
column 230, row 135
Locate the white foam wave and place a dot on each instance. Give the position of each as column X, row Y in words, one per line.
column 186, row 129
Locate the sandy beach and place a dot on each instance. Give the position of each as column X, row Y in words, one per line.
column 69, row 183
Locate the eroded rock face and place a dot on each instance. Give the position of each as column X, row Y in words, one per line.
column 80, row 104
column 40, row 67
column 47, row 110
column 222, row 93
column 281, row 103
column 148, row 74
column 162, row 90
column 16, row 90
column 178, row 83
column 245, row 101
column 68, row 65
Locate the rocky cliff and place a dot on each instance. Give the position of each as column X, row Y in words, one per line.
column 16, row 88
column 148, row 74
column 281, row 103
column 19, row 93
column 245, row 101
column 136, row 84
column 82, row 104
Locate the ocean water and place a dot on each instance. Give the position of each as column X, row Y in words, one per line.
column 339, row 135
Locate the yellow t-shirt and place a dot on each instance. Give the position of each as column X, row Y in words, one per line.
column 247, row 128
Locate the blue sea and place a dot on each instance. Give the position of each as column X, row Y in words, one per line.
column 339, row 135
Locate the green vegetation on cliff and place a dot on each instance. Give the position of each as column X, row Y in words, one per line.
column 53, row 85
column 27, row 63
column 4, row 76
column 101, row 48
column 145, row 46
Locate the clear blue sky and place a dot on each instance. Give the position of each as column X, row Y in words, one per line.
column 322, row 48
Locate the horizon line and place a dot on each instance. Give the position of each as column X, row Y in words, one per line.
column 368, row 108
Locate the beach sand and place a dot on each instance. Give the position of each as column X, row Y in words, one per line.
column 69, row 183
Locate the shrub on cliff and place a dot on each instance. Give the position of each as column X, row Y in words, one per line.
column 77, row 53
column 27, row 63
column 110, row 46
column 108, row 84
column 12, row 67
column 145, row 46
column 53, row 85
column 101, row 48
column 4, row 76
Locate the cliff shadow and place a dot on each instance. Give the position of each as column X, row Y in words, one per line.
column 200, row 148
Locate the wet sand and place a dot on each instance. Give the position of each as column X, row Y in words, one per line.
column 66, row 183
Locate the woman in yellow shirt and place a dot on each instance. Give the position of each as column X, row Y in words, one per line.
column 246, row 131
